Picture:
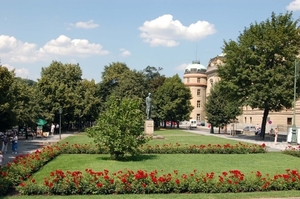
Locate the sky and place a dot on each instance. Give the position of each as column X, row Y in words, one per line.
column 140, row 33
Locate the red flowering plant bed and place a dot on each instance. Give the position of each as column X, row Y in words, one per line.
column 294, row 151
column 143, row 182
column 239, row 148
column 24, row 166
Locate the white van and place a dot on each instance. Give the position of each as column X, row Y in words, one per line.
column 193, row 123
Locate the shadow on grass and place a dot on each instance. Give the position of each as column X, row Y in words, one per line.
column 131, row 158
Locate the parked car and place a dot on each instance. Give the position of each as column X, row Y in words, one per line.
column 250, row 128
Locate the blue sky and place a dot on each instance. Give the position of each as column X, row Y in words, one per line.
column 94, row 33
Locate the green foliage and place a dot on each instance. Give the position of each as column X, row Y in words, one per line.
column 59, row 86
column 172, row 100
column 220, row 111
column 119, row 127
column 7, row 99
column 259, row 66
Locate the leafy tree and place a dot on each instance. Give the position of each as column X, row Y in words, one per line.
column 219, row 110
column 172, row 101
column 131, row 84
column 259, row 66
column 153, row 78
column 26, row 106
column 111, row 79
column 7, row 99
column 90, row 105
column 59, row 86
column 119, row 127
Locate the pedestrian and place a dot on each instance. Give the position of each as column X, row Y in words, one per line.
column 52, row 129
column 4, row 144
column 276, row 135
column 1, row 159
column 57, row 128
column 15, row 144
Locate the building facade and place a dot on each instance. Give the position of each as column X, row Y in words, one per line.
column 201, row 81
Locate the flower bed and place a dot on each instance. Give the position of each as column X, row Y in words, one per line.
column 294, row 151
column 24, row 166
column 143, row 182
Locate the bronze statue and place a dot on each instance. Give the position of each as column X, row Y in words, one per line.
column 149, row 106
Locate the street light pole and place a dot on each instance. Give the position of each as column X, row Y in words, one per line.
column 60, row 112
column 294, row 128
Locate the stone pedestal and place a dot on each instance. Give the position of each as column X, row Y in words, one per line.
column 149, row 127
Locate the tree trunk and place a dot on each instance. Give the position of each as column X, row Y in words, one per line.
column 263, row 124
column 211, row 129
column 219, row 130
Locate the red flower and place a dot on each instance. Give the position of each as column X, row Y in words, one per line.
column 177, row 181
column 99, row 185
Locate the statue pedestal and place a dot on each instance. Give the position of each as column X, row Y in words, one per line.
column 149, row 127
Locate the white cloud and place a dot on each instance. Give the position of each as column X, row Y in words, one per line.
column 124, row 52
column 181, row 67
column 17, row 51
column 164, row 31
column 20, row 72
column 63, row 45
column 85, row 25
column 294, row 5
column 13, row 50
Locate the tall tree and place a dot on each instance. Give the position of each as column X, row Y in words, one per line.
column 172, row 101
column 153, row 78
column 89, row 108
column 111, row 77
column 7, row 99
column 59, row 86
column 259, row 66
column 220, row 110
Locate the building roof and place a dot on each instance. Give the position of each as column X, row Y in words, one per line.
column 195, row 67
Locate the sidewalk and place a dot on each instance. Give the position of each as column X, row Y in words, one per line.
column 271, row 146
column 31, row 145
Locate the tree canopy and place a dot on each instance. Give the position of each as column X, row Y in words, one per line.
column 220, row 110
column 172, row 101
column 119, row 127
column 259, row 66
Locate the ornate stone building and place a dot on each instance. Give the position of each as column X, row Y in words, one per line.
column 201, row 79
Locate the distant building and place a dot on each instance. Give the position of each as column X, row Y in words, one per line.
column 201, row 79
column 196, row 79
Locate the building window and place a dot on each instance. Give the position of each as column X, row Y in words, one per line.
column 245, row 120
column 198, row 117
column 198, row 80
column 198, row 92
column 289, row 121
column 251, row 120
column 198, row 104
column 188, row 80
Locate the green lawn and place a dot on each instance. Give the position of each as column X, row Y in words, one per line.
column 184, row 163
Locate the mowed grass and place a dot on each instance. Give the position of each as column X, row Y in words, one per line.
column 271, row 163
column 167, row 163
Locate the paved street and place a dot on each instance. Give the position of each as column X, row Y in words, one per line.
column 31, row 145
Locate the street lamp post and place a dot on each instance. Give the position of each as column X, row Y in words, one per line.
column 60, row 112
column 294, row 128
